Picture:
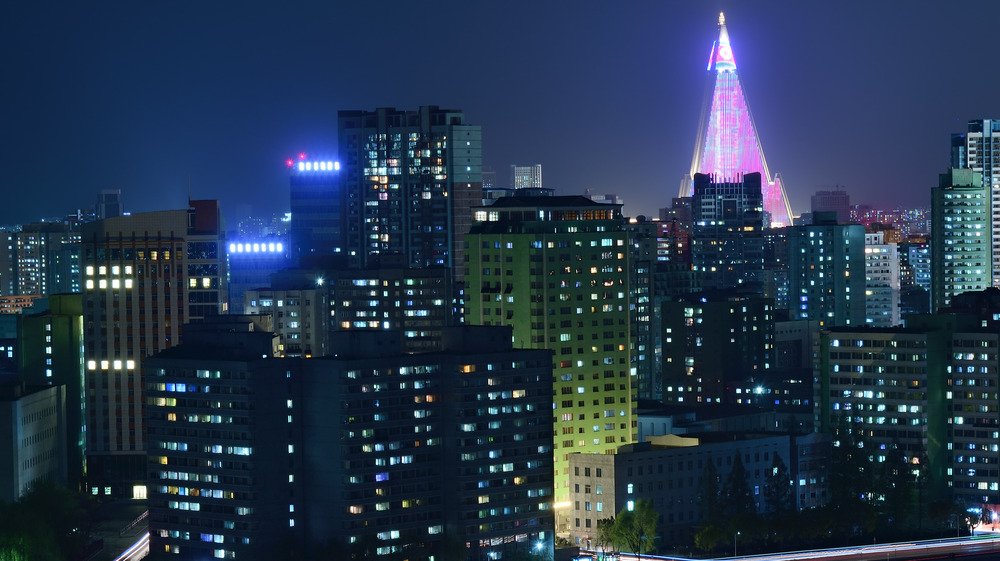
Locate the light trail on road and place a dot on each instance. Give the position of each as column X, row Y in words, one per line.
column 880, row 552
column 138, row 550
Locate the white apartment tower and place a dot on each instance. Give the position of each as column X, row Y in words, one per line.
column 979, row 150
column 881, row 281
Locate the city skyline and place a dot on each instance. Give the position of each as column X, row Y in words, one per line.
column 210, row 101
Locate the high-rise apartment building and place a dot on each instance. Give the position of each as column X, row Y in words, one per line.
column 727, row 244
column 881, row 281
column 45, row 259
column 557, row 269
column 419, row 303
column 410, row 179
column 960, row 236
column 978, row 149
column 915, row 277
column 526, row 177
column 929, row 389
column 826, row 271
column 8, row 263
column 372, row 452
column 713, row 343
column 146, row 275
column 727, row 143
column 296, row 300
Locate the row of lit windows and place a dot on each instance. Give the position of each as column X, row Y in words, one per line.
column 193, row 418
column 115, row 364
column 210, row 448
column 185, row 476
column 195, row 492
column 103, row 270
column 103, row 283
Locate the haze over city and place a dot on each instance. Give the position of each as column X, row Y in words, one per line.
column 286, row 282
column 150, row 97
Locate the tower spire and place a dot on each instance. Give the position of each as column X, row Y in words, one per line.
column 727, row 144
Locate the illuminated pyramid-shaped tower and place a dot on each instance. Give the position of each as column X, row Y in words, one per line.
column 727, row 138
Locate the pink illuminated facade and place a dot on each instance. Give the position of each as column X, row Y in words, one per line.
column 728, row 145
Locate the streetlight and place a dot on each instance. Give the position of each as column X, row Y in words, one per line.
column 734, row 543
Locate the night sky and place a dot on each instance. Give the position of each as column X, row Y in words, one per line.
column 144, row 95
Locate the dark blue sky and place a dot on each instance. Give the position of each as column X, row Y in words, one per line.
column 605, row 95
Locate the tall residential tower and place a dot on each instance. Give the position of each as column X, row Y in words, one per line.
column 145, row 275
column 978, row 149
column 557, row 270
column 410, row 179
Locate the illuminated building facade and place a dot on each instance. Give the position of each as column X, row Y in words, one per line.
column 368, row 452
column 410, row 179
column 978, row 149
column 526, row 177
column 558, row 270
column 145, row 275
column 727, row 144
column 251, row 264
column 960, row 236
column 727, row 245
column 17, row 304
column 317, row 205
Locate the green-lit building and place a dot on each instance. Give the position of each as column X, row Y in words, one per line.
column 960, row 236
column 557, row 269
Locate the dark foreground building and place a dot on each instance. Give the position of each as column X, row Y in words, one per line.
column 369, row 452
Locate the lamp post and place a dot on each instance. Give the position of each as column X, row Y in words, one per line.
column 734, row 542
